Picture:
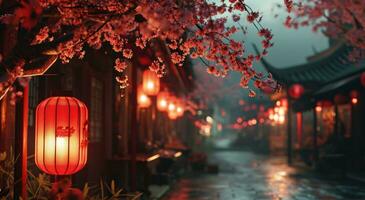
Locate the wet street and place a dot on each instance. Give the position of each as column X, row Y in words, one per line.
column 246, row 176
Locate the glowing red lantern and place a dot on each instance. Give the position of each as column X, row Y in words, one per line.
column 162, row 101
column 151, row 83
column 296, row 91
column 180, row 110
column 61, row 135
column 143, row 100
column 172, row 109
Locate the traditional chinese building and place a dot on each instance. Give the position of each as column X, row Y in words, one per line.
column 326, row 99
column 92, row 80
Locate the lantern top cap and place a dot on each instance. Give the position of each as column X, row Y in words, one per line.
column 54, row 100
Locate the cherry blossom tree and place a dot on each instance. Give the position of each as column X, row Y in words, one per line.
column 61, row 29
column 338, row 19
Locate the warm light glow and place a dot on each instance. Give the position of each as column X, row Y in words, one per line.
column 152, row 158
column 61, row 135
column 172, row 106
column 180, row 111
column 318, row 108
column 276, row 109
column 281, row 111
column 354, row 100
column 143, row 100
column 177, row 154
column 281, row 119
column 209, row 119
column 151, row 83
column 162, row 101
column 205, row 130
column 276, row 117
column 173, row 115
column 172, row 109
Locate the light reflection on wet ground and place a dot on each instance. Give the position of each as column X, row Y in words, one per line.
column 246, row 176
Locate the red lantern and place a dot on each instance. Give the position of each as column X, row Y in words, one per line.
column 354, row 96
column 180, row 109
column 151, row 83
column 172, row 109
column 296, row 91
column 61, row 135
column 143, row 100
column 162, row 101
column 354, row 100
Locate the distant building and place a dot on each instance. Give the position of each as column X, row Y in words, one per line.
column 326, row 120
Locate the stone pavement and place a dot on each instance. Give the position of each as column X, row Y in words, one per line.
column 246, row 176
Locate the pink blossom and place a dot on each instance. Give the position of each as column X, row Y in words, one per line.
column 127, row 53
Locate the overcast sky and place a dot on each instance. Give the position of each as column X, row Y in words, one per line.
column 291, row 46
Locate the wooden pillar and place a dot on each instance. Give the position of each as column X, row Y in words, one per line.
column 20, row 150
column 315, row 135
column 299, row 123
column 133, row 131
column 352, row 124
column 336, row 121
column 289, row 136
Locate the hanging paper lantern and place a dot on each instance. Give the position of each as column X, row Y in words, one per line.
column 162, row 101
column 143, row 100
column 180, row 109
column 172, row 111
column 61, row 135
column 151, row 83
column 296, row 91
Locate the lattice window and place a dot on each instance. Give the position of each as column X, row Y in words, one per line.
column 96, row 110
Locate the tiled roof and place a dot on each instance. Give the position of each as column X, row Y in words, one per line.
column 326, row 69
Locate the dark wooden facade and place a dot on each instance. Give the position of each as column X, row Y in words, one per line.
column 92, row 80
